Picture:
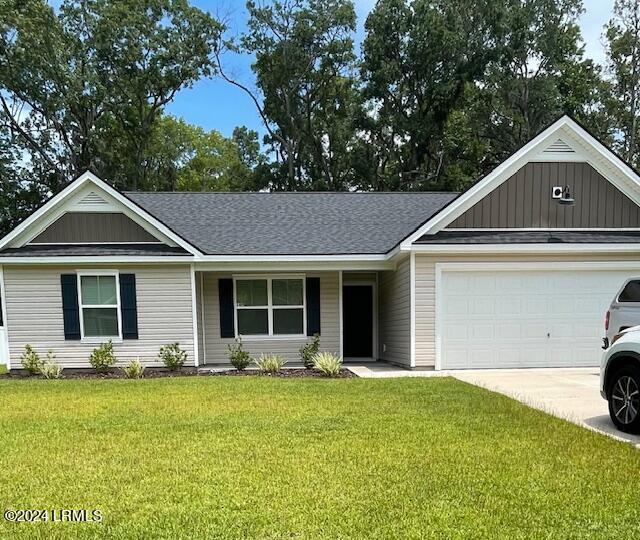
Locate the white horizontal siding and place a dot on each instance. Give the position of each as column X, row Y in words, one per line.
column 395, row 314
column 34, row 314
column 217, row 347
column 426, row 293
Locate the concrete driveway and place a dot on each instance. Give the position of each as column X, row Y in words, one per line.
column 572, row 394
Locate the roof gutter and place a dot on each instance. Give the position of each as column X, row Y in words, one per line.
column 463, row 249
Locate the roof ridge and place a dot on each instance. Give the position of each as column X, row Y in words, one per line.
column 292, row 192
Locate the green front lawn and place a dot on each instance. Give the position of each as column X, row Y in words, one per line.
column 276, row 458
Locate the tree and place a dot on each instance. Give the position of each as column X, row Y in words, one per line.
column 623, row 54
column 304, row 67
column 540, row 75
column 188, row 158
column 252, row 158
column 418, row 58
column 19, row 195
column 82, row 88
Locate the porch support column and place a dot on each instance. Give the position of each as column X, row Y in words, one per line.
column 194, row 315
column 202, row 325
column 412, row 289
column 340, row 311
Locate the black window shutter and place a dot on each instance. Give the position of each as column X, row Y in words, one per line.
column 70, row 311
column 313, row 306
column 225, row 298
column 128, row 306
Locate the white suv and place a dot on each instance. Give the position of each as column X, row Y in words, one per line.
column 620, row 379
column 624, row 311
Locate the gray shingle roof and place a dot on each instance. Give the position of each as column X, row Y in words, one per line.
column 88, row 250
column 530, row 237
column 292, row 223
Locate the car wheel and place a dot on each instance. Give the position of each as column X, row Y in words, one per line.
column 624, row 399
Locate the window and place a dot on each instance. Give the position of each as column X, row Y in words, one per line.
column 273, row 306
column 99, row 305
column 631, row 292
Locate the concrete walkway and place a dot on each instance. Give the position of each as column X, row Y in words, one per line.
column 572, row 394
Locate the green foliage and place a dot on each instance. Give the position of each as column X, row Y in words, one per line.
column 622, row 36
column 238, row 357
column 192, row 159
column 418, row 58
column 102, row 358
column 304, row 67
column 82, row 87
column 30, row 360
column 172, row 356
column 541, row 74
column 327, row 363
column 309, row 350
column 270, row 363
column 134, row 369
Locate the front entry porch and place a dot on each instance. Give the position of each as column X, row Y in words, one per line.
column 278, row 312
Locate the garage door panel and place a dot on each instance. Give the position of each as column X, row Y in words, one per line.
column 535, row 305
column 524, row 318
column 533, row 330
column 482, row 331
column 456, row 306
column 484, row 305
column 454, row 332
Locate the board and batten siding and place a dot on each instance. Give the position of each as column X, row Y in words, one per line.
column 425, row 292
column 525, row 201
column 394, row 314
column 34, row 314
column 93, row 227
column 217, row 348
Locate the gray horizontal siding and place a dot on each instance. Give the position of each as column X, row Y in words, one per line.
column 91, row 227
column 217, row 348
column 524, row 201
column 394, row 324
column 34, row 314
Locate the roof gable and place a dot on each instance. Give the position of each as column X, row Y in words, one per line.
column 88, row 194
column 94, row 228
column 566, row 141
column 526, row 201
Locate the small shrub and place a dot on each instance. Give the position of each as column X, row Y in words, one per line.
column 172, row 356
column 134, row 369
column 328, row 364
column 309, row 350
column 51, row 370
column 270, row 363
column 238, row 357
column 102, row 358
column 30, row 360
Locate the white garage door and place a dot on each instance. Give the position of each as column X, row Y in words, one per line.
column 537, row 318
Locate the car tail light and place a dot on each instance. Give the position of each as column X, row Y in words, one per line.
column 606, row 320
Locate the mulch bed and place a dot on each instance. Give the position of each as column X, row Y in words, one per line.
column 285, row 373
column 154, row 373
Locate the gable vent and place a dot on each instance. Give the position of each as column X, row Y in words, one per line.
column 92, row 199
column 559, row 147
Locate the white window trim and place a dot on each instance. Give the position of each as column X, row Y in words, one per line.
column 270, row 307
column 81, row 305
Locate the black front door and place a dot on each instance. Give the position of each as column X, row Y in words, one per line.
column 357, row 320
